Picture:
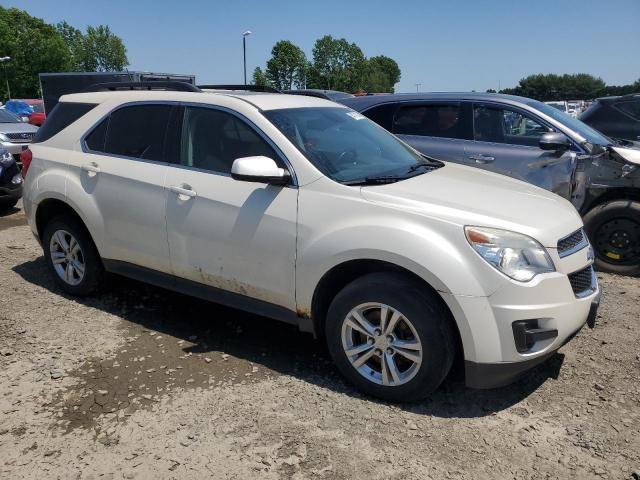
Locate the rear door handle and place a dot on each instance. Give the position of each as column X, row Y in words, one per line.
column 480, row 158
column 183, row 190
column 91, row 167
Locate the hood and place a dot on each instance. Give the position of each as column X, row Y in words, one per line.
column 17, row 127
column 470, row 196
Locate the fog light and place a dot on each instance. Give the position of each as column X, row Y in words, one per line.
column 17, row 179
column 526, row 333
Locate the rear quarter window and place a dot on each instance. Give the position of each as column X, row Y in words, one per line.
column 63, row 115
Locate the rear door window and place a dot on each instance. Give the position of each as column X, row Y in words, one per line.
column 62, row 115
column 500, row 125
column 137, row 131
column 432, row 120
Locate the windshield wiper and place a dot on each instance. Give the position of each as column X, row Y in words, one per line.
column 379, row 180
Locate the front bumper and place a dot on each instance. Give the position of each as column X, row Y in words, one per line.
column 547, row 305
column 494, row 375
column 10, row 193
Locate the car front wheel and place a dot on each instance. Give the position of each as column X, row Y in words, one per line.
column 390, row 336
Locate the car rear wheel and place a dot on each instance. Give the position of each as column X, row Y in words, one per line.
column 614, row 230
column 72, row 256
column 390, row 336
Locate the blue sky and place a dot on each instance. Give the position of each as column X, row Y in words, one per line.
column 444, row 45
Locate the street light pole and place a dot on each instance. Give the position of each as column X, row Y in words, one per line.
column 4, row 61
column 244, row 53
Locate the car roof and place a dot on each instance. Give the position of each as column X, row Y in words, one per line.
column 262, row 101
column 614, row 98
column 364, row 102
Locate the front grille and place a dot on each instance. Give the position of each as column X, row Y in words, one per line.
column 572, row 243
column 582, row 281
column 20, row 136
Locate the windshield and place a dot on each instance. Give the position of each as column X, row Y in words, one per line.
column 38, row 107
column 584, row 130
column 8, row 117
column 346, row 146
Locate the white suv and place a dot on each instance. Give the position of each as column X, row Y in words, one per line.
column 304, row 211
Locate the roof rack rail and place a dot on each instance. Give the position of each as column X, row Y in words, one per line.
column 152, row 85
column 248, row 88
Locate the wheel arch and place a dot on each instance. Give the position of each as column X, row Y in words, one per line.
column 611, row 195
column 340, row 275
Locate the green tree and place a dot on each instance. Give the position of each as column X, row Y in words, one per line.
column 74, row 40
column 260, row 78
column 33, row 46
column 559, row 87
column 337, row 65
column 103, row 51
column 286, row 66
column 382, row 74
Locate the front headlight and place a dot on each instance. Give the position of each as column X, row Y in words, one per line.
column 3, row 137
column 518, row 256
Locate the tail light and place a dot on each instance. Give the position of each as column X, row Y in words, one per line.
column 25, row 157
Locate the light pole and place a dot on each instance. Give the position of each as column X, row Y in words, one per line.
column 244, row 53
column 4, row 61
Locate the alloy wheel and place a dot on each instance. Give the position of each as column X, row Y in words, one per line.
column 381, row 344
column 67, row 257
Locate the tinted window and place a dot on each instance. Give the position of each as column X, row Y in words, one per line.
column 429, row 120
column 499, row 125
column 63, row 115
column 138, row 131
column 38, row 107
column 631, row 108
column 382, row 115
column 95, row 140
column 213, row 139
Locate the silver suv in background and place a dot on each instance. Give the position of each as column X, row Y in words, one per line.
column 530, row 141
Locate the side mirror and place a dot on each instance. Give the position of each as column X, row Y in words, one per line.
column 260, row 170
column 554, row 141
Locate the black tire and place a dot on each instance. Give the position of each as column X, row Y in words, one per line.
column 614, row 231
column 94, row 275
column 428, row 316
column 7, row 205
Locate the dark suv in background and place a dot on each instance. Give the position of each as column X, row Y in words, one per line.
column 617, row 117
column 534, row 142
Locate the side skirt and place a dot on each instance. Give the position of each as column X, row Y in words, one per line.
column 208, row 293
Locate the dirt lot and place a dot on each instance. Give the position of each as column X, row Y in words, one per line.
column 145, row 383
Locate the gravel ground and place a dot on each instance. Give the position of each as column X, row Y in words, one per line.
column 144, row 383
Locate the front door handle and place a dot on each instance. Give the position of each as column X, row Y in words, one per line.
column 183, row 190
column 91, row 168
column 480, row 158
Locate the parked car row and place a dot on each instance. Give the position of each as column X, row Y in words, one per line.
column 303, row 210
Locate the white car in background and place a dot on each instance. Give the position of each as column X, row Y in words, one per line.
column 305, row 211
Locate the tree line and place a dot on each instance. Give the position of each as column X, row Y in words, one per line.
column 336, row 64
column 35, row 47
column 580, row 86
